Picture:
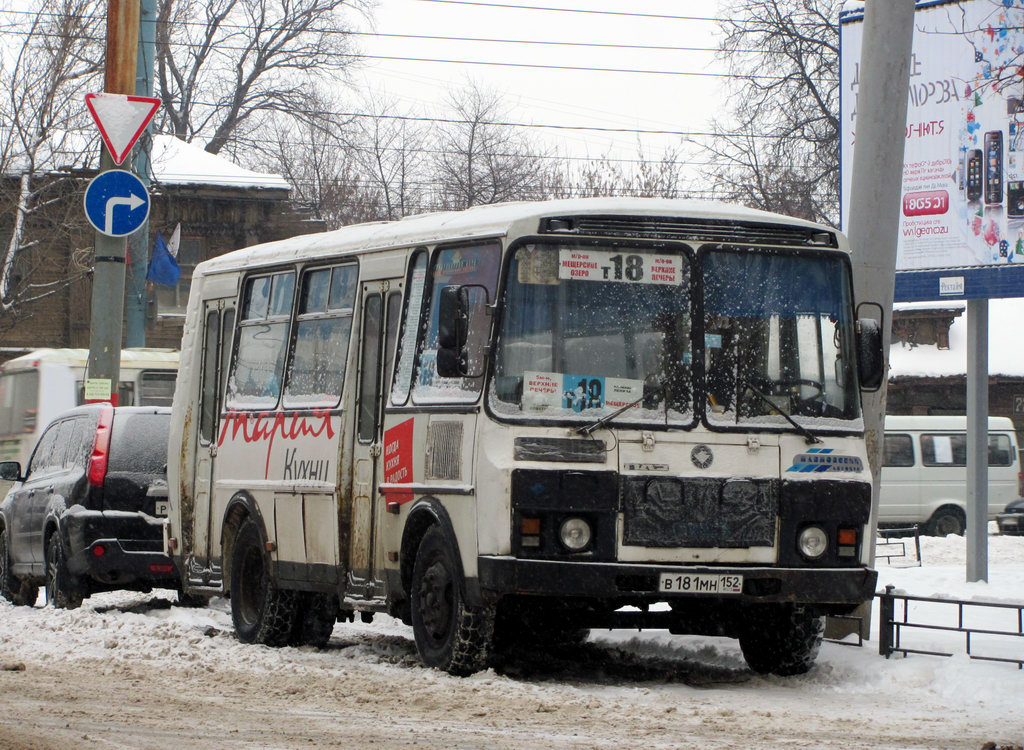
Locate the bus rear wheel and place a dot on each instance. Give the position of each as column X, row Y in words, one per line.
column 781, row 639
column 260, row 611
column 450, row 635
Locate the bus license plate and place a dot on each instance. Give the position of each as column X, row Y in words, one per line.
column 700, row 583
column 161, row 507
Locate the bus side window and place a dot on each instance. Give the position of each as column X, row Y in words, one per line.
column 208, row 404
column 475, row 266
column 369, row 369
column 410, row 328
column 316, row 372
column 262, row 337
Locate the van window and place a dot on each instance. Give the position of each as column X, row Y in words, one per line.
column 951, row 450
column 1000, row 450
column 898, row 450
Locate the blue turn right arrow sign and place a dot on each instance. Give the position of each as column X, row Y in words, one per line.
column 116, row 203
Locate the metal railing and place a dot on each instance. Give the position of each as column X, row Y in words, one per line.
column 890, row 629
column 884, row 548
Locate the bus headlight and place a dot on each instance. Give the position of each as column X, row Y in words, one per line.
column 575, row 534
column 812, row 542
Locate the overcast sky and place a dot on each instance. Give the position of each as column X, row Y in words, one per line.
column 615, row 100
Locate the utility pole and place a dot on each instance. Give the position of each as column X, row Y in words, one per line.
column 108, row 267
column 138, row 243
column 875, row 192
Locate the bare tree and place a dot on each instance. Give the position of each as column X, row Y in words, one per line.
column 644, row 176
column 389, row 149
column 223, row 66
column 324, row 177
column 43, row 118
column 479, row 160
column 780, row 149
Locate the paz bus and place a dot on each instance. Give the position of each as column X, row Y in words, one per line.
column 524, row 421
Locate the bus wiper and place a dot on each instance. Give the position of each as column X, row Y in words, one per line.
column 648, row 390
column 808, row 435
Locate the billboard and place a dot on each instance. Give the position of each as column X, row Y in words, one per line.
column 962, row 202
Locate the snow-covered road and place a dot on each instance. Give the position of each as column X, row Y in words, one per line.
column 131, row 671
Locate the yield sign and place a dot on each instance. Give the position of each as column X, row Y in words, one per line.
column 121, row 119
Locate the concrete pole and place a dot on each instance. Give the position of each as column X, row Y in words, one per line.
column 108, row 268
column 138, row 243
column 876, row 187
column 977, row 440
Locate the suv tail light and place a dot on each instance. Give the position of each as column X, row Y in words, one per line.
column 101, row 447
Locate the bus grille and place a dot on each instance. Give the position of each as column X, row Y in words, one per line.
column 444, row 450
column 676, row 512
column 690, row 230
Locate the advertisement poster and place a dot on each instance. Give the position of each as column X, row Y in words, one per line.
column 963, row 174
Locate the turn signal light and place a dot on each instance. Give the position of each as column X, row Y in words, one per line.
column 847, row 537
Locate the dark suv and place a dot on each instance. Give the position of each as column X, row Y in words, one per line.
column 87, row 516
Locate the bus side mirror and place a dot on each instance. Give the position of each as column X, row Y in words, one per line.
column 870, row 362
column 10, row 471
column 452, row 332
column 456, row 306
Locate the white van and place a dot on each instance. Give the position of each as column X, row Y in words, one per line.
column 924, row 472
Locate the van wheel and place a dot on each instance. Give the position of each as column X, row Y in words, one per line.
column 62, row 589
column 450, row 635
column 13, row 589
column 946, row 521
column 782, row 639
column 260, row 611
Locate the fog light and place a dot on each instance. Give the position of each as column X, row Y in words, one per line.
column 812, row 542
column 575, row 534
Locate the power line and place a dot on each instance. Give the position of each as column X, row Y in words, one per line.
column 577, row 10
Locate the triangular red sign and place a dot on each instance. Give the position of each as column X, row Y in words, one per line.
column 121, row 119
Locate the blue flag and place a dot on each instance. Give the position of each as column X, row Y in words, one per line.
column 163, row 267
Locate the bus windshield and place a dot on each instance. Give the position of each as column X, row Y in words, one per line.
column 778, row 338
column 590, row 329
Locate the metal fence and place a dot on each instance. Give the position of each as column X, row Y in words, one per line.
column 897, row 628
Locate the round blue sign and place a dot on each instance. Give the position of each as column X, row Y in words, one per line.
column 116, row 203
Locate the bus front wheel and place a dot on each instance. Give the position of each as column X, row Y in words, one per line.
column 260, row 611
column 450, row 635
column 781, row 639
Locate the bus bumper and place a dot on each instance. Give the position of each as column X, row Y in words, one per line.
column 837, row 588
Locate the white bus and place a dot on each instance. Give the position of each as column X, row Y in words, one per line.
column 528, row 420
column 36, row 387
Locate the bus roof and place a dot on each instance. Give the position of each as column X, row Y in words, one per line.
column 137, row 357
column 492, row 220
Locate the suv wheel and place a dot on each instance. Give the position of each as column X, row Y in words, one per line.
column 12, row 588
column 62, row 589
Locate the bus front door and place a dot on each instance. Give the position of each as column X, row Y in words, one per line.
column 379, row 326
column 218, row 324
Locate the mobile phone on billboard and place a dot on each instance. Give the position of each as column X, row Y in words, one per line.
column 1015, row 199
column 973, row 170
column 993, row 167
